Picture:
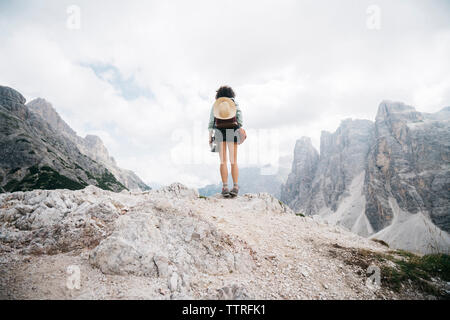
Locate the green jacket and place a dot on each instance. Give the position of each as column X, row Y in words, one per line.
column 238, row 117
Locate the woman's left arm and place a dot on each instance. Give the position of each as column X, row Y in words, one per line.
column 239, row 116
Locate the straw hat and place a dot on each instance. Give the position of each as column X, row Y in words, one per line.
column 224, row 108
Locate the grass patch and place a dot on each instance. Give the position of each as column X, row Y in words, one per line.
column 299, row 214
column 10, row 185
column 34, row 169
column 107, row 181
column 400, row 269
column 89, row 175
column 202, row 197
column 426, row 267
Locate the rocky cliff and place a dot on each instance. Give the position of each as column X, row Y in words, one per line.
column 92, row 146
column 382, row 179
column 34, row 155
column 297, row 190
column 172, row 244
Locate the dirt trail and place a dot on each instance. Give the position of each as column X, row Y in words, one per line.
column 293, row 252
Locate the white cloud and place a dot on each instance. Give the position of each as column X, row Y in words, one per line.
column 298, row 67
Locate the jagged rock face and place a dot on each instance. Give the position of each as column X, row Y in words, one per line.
column 318, row 182
column 92, row 146
column 35, row 156
column 46, row 111
column 342, row 158
column 373, row 178
column 411, row 163
column 296, row 192
column 95, row 147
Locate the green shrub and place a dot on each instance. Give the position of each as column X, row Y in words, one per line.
column 43, row 178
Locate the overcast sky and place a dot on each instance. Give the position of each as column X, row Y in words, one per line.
column 142, row 74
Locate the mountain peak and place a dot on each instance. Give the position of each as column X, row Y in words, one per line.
column 46, row 110
column 93, row 139
column 396, row 110
column 8, row 95
column 303, row 141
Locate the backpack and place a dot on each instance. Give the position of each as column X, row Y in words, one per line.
column 225, row 124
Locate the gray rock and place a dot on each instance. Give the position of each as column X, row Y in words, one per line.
column 91, row 146
column 296, row 192
column 233, row 292
column 317, row 182
column 173, row 282
column 159, row 242
column 368, row 173
column 410, row 162
column 36, row 153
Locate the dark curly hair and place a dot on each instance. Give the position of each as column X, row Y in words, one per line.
column 225, row 91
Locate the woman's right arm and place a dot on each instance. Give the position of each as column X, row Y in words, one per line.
column 211, row 119
column 211, row 124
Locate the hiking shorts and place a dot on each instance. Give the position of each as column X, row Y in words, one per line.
column 228, row 135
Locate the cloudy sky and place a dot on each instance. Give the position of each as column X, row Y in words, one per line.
column 142, row 74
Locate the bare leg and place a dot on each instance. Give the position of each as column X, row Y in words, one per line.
column 223, row 162
column 232, row 150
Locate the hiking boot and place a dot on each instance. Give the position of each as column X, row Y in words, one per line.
column 225, row 192
column 234, row 192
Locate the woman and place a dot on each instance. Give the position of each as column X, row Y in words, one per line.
column 226, row 110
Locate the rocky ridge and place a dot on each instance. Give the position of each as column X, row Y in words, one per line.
column 172, row 244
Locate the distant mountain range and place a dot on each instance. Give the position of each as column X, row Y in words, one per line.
column 388, row 179
column 39, row 150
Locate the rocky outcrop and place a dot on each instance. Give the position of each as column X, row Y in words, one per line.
column 317, row 183
column 172, row 244
column 342, row 158
column 33, row 155
column 296, row 192
column 44, row 108
column 408, row 176
column 373, row 178
column 412, row 159
column 92, row 146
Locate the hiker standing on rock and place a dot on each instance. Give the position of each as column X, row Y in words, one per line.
column 226, row 132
